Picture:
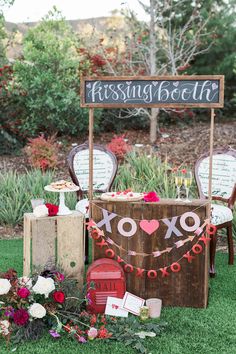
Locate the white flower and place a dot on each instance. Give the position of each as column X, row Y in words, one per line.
column 5, row 286
column 37, row 310
column 25, row 282
column 40, row 211
column 44, row 286
column 4, row 325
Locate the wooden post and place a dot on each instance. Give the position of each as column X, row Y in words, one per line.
column 91, row 119
column 210, row 163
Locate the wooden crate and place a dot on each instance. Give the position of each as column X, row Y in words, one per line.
column 57, row 240
column 187, row 288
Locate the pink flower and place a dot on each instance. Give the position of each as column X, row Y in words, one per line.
column 59, row 276
column 151, row 197
column 23, row 293
column 184, row 171
column 92, row 333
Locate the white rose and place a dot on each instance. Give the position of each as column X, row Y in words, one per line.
column 37, row 310
column 40, row 211
column 25, row 282
column 4, row 325
column 44, row 286
column 5, row 286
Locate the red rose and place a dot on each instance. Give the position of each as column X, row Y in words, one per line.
column 52, row 209
column 151, row 197
column 21, row 317
column 59, row 297
column 23, row 293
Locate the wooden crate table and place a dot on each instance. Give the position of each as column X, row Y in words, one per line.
column 186, row 288
column 55, row 240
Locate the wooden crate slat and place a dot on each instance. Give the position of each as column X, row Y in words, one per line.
column 70, row 245
column 27, row 243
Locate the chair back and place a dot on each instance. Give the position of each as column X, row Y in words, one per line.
column 223, row 174
column 104, row 168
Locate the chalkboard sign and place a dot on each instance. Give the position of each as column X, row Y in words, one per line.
column 223, row 173
column 104, row 167
column 167, row 91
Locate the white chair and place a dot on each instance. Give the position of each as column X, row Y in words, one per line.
column 223, row 190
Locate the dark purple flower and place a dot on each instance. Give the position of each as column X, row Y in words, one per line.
column 54, row 333
column 9, row 312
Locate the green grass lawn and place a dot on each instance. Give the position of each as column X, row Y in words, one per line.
column 189, row 331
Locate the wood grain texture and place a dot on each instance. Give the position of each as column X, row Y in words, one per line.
column 27, row 245
column 70, row 245
column 187, row 288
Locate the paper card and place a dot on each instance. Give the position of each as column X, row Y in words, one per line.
column 114, row 307
column 132, row 303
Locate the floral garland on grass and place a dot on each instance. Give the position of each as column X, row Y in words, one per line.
column 31, row 307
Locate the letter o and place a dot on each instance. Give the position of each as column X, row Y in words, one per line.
column 128, row 268
column 197, row 248
column 110, row 253
column 175, row 267
column 152, row 274
column 211, row 229
column 196, row 219
column 132, row 230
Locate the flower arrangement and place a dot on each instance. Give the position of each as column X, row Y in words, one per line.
column 30, row 307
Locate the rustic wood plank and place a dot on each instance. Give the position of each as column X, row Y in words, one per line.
column 27, row 244
column 43, row 242
column 70, row 245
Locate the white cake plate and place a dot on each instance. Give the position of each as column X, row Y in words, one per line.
column 63, row 209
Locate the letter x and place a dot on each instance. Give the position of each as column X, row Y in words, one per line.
column 171, row 227
column 140, row 272
column 106, row 220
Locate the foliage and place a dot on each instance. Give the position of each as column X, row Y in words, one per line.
column 42, row 153
column 144, row 173
column 17, row 190
column 47, row 81
column 119, row 146
column 220, row 58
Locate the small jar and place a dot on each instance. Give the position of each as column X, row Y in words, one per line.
column 144, row 313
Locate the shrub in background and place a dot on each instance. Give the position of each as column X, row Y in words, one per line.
column 119, row 146
column 42, row 153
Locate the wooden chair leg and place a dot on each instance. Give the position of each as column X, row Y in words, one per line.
column 230, row 244
column 212, row 255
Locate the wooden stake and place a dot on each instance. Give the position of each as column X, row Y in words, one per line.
column 90, row 157
column 210, row 163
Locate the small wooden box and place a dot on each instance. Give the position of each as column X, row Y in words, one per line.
column 57, row 240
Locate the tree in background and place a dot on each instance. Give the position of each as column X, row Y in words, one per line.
column 3, row 35
column 47, row 79
column 166, row 45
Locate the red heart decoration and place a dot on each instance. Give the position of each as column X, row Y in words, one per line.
column 149, row 226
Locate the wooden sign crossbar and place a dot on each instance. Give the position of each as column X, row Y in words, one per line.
column 164, row 91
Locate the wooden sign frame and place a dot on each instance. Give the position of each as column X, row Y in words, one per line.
column 148, row 86
column 86, row 80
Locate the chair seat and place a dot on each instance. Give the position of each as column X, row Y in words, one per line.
column 220, row 214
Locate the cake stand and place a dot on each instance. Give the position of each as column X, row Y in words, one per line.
column 63, row 209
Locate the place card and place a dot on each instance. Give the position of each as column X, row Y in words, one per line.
column 114, row 307
column 132, row 303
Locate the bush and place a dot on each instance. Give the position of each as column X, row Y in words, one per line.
column 42, row 153
column 119, row 147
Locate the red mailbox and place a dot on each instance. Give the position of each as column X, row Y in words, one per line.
column 109, row 280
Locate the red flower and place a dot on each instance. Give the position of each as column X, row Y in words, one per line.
column 23, row 293
column 59, row 297
column 184, row 171
column 52, row 209
column 151, row 197
column 103, row 333
column 21, row 317
column 93, row 320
